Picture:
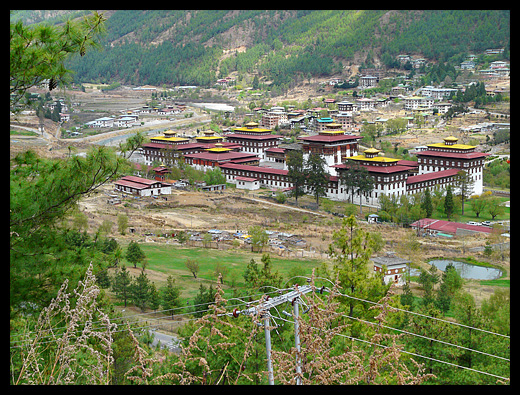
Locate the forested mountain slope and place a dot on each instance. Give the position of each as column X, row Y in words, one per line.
column 180, row 47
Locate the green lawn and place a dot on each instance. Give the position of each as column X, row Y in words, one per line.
column 169, row 259
column 469, row 214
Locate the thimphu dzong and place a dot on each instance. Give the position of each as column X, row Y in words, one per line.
column 248, row 152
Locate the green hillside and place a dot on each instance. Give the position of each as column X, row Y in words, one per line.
column 185, row 47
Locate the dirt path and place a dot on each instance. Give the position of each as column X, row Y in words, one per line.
column 283, row 206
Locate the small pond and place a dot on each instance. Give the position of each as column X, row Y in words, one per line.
column 466, row 270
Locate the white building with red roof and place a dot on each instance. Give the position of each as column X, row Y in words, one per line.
column 452, row 155
column 218, row 155
column 142, row 186
column 253, row 139
column 332, row 145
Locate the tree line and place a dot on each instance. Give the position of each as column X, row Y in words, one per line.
column 287, row 46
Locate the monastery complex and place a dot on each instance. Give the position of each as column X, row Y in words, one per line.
column 250, row 155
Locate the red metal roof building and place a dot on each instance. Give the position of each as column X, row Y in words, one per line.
column 433, row 226
column 333, row 145
column 253, row 139
column 142, row 186
column 217, row 156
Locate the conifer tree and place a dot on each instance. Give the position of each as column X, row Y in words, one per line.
column 134, row 254
column 449, row 204
column 170, row 295
column 121, row 284
column 317, row 176
column 350, row 251
column 296, row 173
column 426, row 204
column 140, row 289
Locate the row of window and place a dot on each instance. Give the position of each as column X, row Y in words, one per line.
column 447, row 162
column 392, row 178
column 258, row 144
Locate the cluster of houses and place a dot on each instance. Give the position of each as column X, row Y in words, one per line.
column 130, row 117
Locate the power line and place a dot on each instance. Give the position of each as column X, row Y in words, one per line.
column 290, row 297
column 405, row 311
column 410, row 353
column 425, row 316
column 425, row 337
column 152, row 312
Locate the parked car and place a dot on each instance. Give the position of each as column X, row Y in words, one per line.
column 486, row 223
column 473, row 223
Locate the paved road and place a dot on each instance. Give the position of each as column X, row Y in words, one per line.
column 115, row 137
column 166, row 341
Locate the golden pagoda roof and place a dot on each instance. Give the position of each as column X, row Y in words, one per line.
column 372, row 150
column 252, row 129
column 172, row 138
column 329, row 132
column 454, row 146
column 218, row 148
column 381, row 159
column 251, row 124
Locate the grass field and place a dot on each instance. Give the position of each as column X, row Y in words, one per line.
column 469, row 214
column 169, row 259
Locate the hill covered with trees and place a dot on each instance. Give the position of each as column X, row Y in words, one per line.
column 183, row 47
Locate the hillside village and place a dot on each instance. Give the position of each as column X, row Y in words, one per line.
column 404, row 134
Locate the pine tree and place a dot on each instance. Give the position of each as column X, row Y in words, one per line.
column 451, row 283
column 121, row 284
column 449, row 204
column 251, row 274
column 140, row 289
column 170, row 295
column 154, row 299
column 296, row 173
column 426, row 204
column 464, row 182
column 350, row 251
column 317, row 176
column 134, row 254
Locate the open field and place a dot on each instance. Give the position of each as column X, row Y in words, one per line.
column 164, row 260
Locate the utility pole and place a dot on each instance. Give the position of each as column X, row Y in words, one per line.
column 297, row 342
column 267, row 331
column 263, row 310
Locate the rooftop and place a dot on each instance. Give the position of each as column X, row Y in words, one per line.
column 253, row 129
column 447, row 226
column 253, row 137
column 333, row 138
column 431, row 176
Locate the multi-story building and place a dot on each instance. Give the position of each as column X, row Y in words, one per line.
column 365, row 104
column 368, row 81
column 452, row 155
column 344, row 119
column 388, row 173
column 276, row 116
column 332, row 145
column 437, row 93
column 253, row 139
column 418, row 102
column 346, row 106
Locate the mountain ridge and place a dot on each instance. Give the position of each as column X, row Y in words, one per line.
column 187, row 47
